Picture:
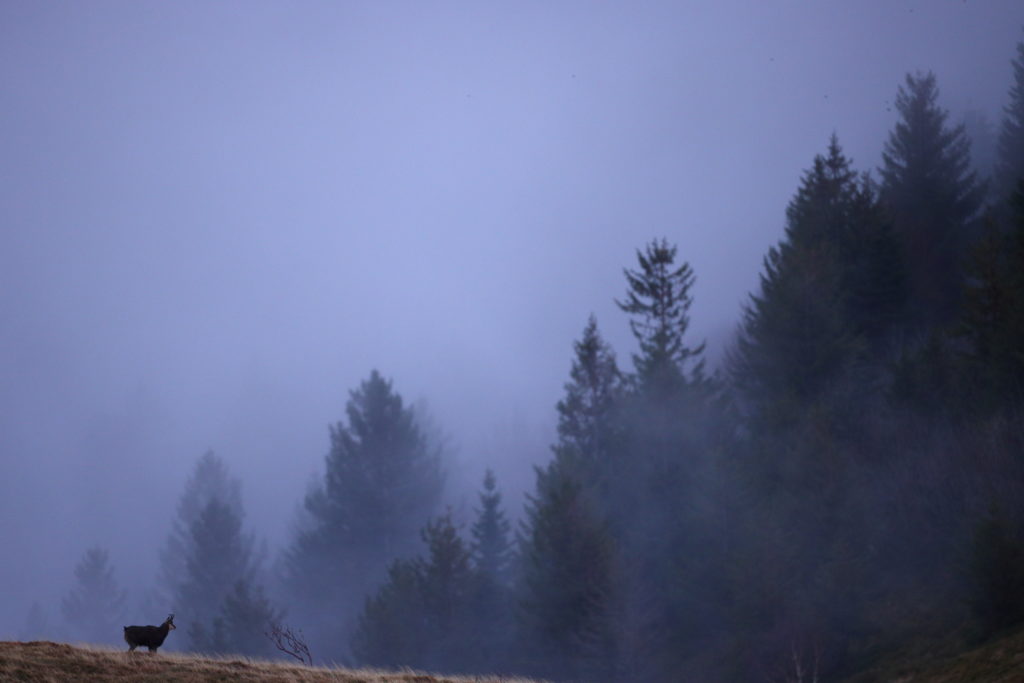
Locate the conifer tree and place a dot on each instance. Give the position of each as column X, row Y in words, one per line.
column 670, row 423
column 421, row 616
column 873, row 271
column 218, row 556
column 666, row 420
column 566, row 544
column 382, row 634
column 589, row 419
column 491, row 547
column 208, row 481
column 242, row 622
column 1010, row 159
column 492, row 556
column 213, row 555
column 567, row 554
column 830, row 296
column 567, row 591
column 659, row 300
column 382, row 478
column 93, row 607
column 448, row 586
column 934, row 199
column 992, row 323
column 831, row 290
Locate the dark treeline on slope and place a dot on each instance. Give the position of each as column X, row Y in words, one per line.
column 847, row 484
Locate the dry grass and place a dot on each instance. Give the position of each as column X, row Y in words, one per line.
column 999, row 661
column 59, row 662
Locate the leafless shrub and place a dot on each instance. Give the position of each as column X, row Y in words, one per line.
column 289, row 642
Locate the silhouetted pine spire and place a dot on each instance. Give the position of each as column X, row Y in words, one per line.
column 492, row 545
column 208, row 481
column 1010, row 160
column 566, row 546
column 933, row 197
column 830, row 290
column 589, row 429
column 658, row 300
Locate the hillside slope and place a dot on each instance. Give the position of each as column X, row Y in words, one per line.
column 998, row 661
column 59, row 662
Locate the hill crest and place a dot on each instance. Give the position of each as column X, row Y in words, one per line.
column 48, row 661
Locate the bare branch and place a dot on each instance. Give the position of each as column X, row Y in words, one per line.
column 287, row 641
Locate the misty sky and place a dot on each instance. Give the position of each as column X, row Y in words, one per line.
column 217, row 218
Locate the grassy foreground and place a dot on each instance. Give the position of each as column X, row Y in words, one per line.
column 59, row 662
column 999, row 661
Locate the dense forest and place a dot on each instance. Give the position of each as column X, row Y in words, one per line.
column 845, row 483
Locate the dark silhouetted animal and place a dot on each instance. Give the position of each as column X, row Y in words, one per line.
column 148, row 636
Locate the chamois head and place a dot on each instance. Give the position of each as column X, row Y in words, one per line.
column 151, row 637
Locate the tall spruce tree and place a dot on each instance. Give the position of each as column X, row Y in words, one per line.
column 663, row 485
column 831, row 290
column 934, row 198
column 448, row 586
column 209, row 480
column 422, row 616
column 211, row 555
column 1009, row 169
column 382, row 478
column 493, row 556
column 658, row 300
column 566, row 546
column 589, row 414
column 491, row 547
column 992, row 324
column 806, row 367
column 567, row 586
column 665, row 418
column 218, row 556
column 94, row 606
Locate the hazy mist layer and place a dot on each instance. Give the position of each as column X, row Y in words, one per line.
column 215, row 220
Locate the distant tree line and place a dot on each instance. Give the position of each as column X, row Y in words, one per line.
column 848, row 482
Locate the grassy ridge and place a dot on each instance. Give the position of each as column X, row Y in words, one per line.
column 59, row 662
column 998, row 661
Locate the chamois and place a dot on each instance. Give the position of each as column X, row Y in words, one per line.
column 149, row 636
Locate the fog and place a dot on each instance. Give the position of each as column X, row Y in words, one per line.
column 217, row 219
